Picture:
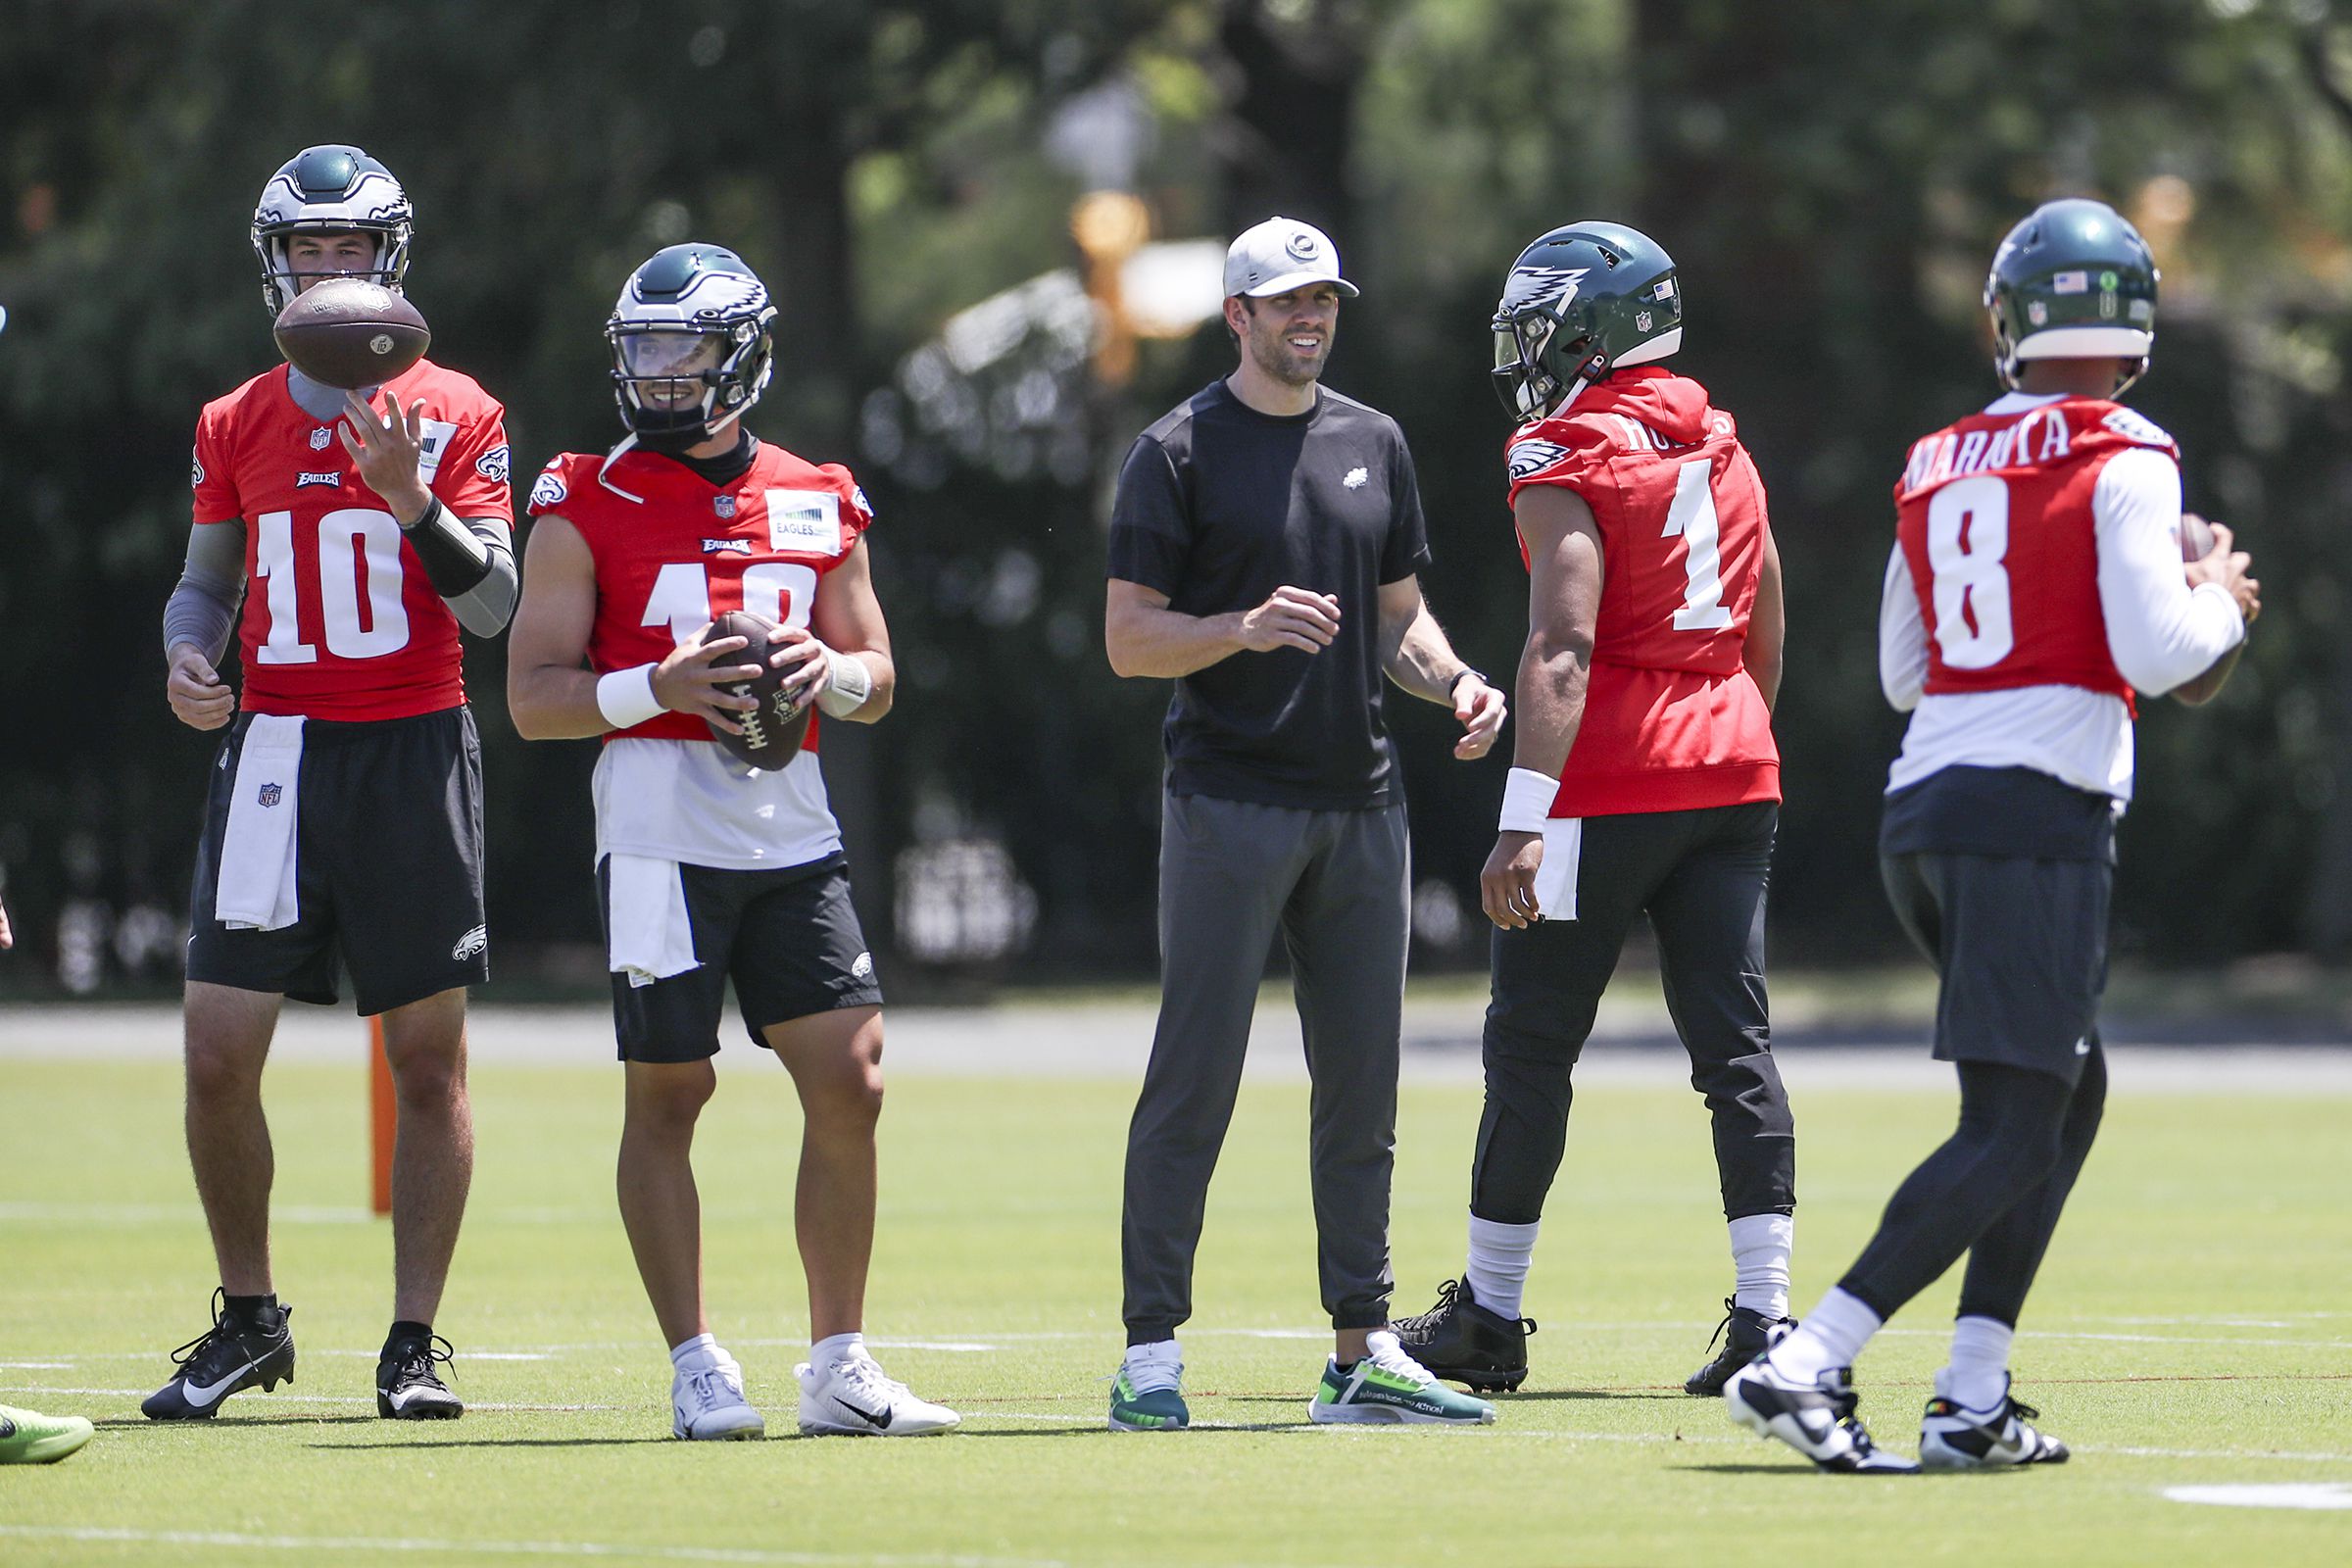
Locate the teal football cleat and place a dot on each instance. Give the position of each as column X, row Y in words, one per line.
column 1388, row 1386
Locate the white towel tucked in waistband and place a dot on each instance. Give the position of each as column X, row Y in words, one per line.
column 651, row 937
column 255, row 890
column 1556, row 878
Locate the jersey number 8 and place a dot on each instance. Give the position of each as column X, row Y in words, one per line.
column 1968, row 538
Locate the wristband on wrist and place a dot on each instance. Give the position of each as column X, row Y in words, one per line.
column 848, row 684
column 1527, row 798
column 625, row 697
column 1462, row 675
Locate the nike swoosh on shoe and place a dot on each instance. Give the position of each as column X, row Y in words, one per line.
column 868, row 1416
column 199, row 1394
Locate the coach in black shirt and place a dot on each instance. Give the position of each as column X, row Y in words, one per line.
column 1263, row 547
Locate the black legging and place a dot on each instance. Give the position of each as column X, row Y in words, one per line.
column 1994, row 1191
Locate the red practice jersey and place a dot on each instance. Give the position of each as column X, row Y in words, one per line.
column 340, row 621
column 1672, row 722
column 1995, row 518
column 690, row 551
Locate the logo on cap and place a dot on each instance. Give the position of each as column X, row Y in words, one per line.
column 1302, row 246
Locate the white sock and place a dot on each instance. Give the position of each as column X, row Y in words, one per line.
column 1978, row 1375
column 699, row 1350
column 1760, row 1246
column 1498, row 1257
column 833, row 1347
column 1832, row 1335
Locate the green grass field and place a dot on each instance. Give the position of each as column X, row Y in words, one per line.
column 2192, row 1329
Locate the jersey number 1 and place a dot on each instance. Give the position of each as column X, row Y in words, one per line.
column 1693, row 519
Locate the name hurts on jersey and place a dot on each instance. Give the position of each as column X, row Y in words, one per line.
column 340, row 621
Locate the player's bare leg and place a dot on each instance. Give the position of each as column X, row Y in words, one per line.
column 835, row 1060
column 432, row 1157
column 228, row 1033
column 659, row 1206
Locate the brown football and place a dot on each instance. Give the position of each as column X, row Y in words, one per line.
column 349, row 332
column 772, row 733
column 2196, row 538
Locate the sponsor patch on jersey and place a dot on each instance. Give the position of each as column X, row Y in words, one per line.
column 728, row 547
column 2141, row 428
column 804, row 521
column 438, row 433
column 1527, row 459
column 548, row 490
column 303, row 480
column 492, row 465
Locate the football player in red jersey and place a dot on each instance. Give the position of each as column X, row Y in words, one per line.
column 345, row 814
column 1644, row 781
column 2035, row 584
column 708, row 870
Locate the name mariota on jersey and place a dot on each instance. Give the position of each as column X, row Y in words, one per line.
column 2041, row 437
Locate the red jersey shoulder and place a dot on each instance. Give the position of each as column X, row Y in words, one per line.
column 564, row 472
column 797, row 488
column 1558, row 450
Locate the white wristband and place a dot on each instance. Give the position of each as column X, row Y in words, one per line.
column 848, row 684
column 1527, row 798
column 626, row 697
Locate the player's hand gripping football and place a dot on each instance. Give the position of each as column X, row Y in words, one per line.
column 389, row 448
column 689, row 680
column 1506, row 883
column 1480, row 710
column 199, row 698
column 2226, row 564
column 797, row 647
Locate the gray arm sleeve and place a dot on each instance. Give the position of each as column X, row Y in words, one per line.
column 203, row 608
column 485, row 607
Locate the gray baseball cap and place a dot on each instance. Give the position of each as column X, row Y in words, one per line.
column 1282, row 254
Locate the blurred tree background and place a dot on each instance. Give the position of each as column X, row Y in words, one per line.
column 1831, row 179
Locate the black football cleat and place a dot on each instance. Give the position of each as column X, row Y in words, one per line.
column 408, row 1389
column 232, row 1354
column 1817, row 1419
column 1461, row 1342
column 1745, row 1335
column 1953, row 1439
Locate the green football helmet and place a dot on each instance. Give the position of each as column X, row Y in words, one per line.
column 1580, row 302
column 2074, row 280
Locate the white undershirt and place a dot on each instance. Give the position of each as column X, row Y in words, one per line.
column 692, row 802
column 2160, row 633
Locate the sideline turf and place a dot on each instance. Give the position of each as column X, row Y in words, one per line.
column 2191, row 1328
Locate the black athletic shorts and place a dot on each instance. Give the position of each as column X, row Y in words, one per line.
column 788, row 938
column 2021, row 944
column 388, row 856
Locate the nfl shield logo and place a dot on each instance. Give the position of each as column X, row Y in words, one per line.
column 271, row 794
column 1641, row 321
column 725, row 505
column 320, row 437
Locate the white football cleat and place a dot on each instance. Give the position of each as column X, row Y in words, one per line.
column 1952, row 1438
column 705, row 1401
column 1815, row 1418
column 855, row 1397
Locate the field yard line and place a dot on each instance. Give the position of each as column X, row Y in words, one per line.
column 518, row 1548
column 318, row 1398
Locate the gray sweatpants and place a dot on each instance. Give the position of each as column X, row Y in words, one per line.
column 1334, row 884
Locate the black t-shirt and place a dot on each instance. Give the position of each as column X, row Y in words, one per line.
column 1220, row 504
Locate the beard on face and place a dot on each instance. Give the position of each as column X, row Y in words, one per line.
column 1271, row 352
